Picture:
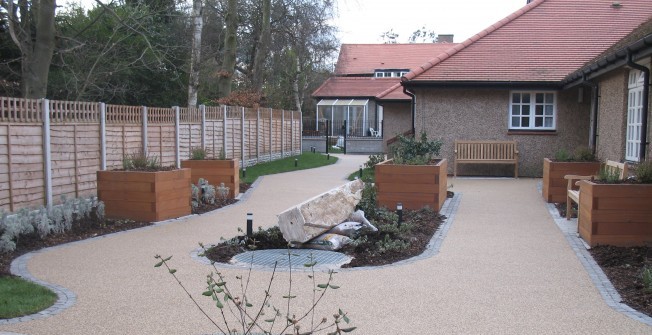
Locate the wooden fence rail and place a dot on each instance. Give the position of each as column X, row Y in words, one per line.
column 50, row 149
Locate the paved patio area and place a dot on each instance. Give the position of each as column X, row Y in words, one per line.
column 504, row 267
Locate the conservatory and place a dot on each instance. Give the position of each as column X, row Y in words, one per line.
column 359, row 121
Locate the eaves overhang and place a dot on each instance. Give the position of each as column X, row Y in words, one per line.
column 483, row 84
column 639, row 49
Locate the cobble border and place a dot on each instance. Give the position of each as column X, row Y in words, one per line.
column 598, row 277
column 449, row 210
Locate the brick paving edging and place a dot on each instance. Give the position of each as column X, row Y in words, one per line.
column 449, row 210
column 599, row 279
column 65, row 297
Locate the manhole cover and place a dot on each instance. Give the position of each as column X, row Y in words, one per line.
column 299, row 257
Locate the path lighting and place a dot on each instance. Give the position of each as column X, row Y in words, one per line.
column 244, row 172
column 360, row 172
column 296, row 162
column 399, row 211
column 328, row 156
column 250, row 224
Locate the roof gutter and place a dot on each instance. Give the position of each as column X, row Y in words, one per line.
column 413, row 105
column 645, row 107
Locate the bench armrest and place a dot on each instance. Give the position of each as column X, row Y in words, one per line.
column 576, row 178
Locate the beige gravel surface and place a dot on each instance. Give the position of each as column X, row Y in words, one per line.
column 504, row 268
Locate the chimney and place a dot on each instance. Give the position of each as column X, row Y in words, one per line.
column 447, row 38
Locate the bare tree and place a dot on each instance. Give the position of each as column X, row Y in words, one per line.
column 225, row 76
column 262, row 49
column 31, row 26
column 195, row 56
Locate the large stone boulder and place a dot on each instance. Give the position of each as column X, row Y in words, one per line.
column 315, row 216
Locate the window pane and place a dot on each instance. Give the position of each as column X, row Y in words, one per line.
column 526, row 98
column 549, row 98
column 526, row 110
column 538, row 122
column 515, row 122
column 516, row 110
column 539, row 98
column 525, row 122
column 516, row 98
column 548, row 109
column 538, row 110
column 548, row 122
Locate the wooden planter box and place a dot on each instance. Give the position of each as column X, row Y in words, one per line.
column 216, row 171
column 554, row 184
column 415, row 186
column 615, row 214
column 145, row 196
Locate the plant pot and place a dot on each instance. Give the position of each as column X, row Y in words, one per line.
column 415, row 186
column 145, row 196
column 216, row 171
column 615, row 214
column 554, row 184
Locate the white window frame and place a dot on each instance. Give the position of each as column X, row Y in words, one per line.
column 532, row 107
column 634, row 115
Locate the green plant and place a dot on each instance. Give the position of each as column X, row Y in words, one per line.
column 583, row 154
column 608, row 175
column 264, row 317
column 222, row 155
column 203, row 193
column 139, row 161
column 644, row 172
column 407, row 150
column 198, row 153
column 374, row 160
column 369, row 202
column 308, row 161
column 562, row 155
column 388, row 244
column 646, row 276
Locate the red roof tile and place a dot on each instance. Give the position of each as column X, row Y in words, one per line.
column 542, row 42
column 361, row 87
column 356, row 59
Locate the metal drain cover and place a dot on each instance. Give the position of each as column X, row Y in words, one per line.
column 299, row 257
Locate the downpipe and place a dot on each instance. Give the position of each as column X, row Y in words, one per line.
column 645, row 107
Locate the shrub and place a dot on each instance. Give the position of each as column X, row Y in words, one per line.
column 583, row 154
column 203, row 193
column 368, row 204
column 563, row 156
column 646, row 276
column 644, row 172
column 607, row 175
column 198, row 153
column 412, row 152
column 139, row 161
column 374, row 160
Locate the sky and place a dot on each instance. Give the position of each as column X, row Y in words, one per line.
column 363, row 21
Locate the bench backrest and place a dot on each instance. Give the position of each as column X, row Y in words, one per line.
column 613, row 168
column 485, row 150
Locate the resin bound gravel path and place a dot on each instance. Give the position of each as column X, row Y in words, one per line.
column 503, row 268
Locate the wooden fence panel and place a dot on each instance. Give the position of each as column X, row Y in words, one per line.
column 121, row 140
column 23, row 156
column 161, row 143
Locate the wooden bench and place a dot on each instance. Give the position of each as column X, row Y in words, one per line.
column 573, row 193
column 486, row 152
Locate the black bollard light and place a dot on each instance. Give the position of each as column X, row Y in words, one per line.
column 250, row 224
column 360, row 172
column 399, row 211
column 296, row 162
column 328, row 156
column 244, row 172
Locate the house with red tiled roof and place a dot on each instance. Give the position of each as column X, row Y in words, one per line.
column 556, row 74
column 366, row 88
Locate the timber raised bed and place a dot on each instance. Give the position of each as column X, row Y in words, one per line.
column 554, row 184
column 615, row 214
column 216, row 171
column 415, row 186
column 145, row 196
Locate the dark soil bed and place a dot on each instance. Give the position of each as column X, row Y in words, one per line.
column 389, row 245
column 88, row 229
column 624, row 268
column 561, row 207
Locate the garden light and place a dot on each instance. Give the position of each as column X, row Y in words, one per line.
column 399, row 211
column 360, row 172
column 296, row 162
column 250, row 224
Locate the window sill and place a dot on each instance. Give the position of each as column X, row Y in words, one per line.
column 533, row 132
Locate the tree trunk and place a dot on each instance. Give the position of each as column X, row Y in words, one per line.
column 295, row 86
column 36, row 47
column 263, row 48
column 230, row 44
column 195, row 57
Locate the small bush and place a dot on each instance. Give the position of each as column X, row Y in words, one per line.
column 374, row 160
column 584, row 154
column 646, row 276
column 607, row 175
column 368, row 204
column 387, row 244
column 563, row 156
column 412, row 152
column 139, row 161
column 203, row 193
column 198, row 154
column 644, row 172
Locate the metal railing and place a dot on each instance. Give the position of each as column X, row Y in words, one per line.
column 341, row 128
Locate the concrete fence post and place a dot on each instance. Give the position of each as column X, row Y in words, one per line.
column 224, row 146
column 282, row 133
column 202, row 111
column 177, row 140
column 242, row 133
column 102, row 136
column 257, row 135
column 47, row 153
column 271, row 134
column 144, row 132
